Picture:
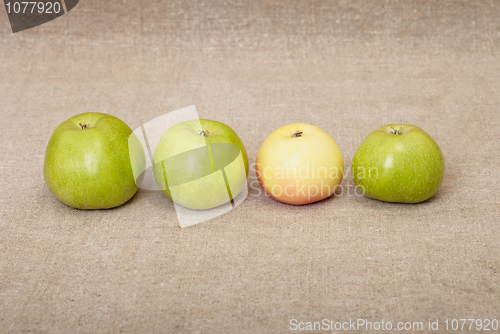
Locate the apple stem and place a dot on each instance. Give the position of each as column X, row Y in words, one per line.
column 83, row 126
column 203, row 133
column 397, row 132
column 297, row 134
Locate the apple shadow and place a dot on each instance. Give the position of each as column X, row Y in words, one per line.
column 377, row 204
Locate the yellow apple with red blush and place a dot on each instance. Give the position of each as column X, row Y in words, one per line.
column 299, row 164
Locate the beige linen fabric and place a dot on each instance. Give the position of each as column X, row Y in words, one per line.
column 348, row 67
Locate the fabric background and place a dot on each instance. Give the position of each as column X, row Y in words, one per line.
column 348, row 67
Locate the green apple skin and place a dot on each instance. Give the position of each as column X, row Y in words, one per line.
column 88, row 162
column 398, row 163
column 193, row 160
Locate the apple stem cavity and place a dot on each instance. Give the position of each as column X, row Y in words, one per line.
column 203, row 133
column 397, row 132
column 83, row 126
column 297, row 134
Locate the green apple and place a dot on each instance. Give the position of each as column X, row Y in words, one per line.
column 200, row 164
column 90, row 159
column 398, row 163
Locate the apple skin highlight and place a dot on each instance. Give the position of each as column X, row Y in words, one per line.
column 299, row 164
column 398, row 163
